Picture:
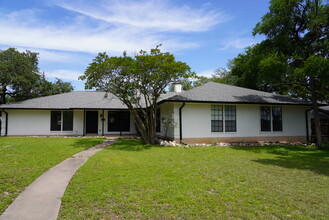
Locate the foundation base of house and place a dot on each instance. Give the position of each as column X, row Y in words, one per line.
column 212, row 140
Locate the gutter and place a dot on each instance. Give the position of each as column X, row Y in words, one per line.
column 230, row 102
column 180, row 123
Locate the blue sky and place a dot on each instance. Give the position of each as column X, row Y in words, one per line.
column 68, row 34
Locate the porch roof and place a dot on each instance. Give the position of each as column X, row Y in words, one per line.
column 71, row 100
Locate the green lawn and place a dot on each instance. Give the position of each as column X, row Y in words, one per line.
column 22, row 160
column 133, row 181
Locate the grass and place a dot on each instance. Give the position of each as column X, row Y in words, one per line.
column 128, row 180
column 22, row 160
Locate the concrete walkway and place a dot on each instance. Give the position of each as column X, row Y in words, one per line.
column 42, row 199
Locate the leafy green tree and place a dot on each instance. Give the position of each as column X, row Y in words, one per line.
column 188, row 84
column 18, row 73
column 20, row 78
column 293, row 58
column 46, row 88
column 59, row 86
column 225, row 76
column 138, row 82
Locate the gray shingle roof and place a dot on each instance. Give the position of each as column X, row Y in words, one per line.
column 222, row 93
column 210, row 92
column 71, row 100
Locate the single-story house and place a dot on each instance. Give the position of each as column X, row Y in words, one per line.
column 212, row 112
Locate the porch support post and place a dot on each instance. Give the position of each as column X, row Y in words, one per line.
column 84, row 122
column 103, row 119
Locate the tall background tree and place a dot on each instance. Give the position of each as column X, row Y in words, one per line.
column 293, row 58
column 138, row 82
column 20, row 78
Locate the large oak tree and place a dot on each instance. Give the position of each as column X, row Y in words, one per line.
column 293, row 58
column 20, row 78
column 138, row 82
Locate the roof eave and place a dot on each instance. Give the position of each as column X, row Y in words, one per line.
column 222, row 102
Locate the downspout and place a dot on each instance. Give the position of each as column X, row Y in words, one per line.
column 84, row 122
column 307, row 131
column 103, row 119
column 6, row 130
column 180, row 123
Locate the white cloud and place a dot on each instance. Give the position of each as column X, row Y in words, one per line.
column 156, row 14
column 237, row 43
column 54, row 56
column 112, row 26
column 64, row 74
column 206, row 73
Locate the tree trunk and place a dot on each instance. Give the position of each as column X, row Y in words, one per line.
column 147, row 132
column 152, row 121
column 317, row 122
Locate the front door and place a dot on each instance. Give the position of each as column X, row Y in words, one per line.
column 92, row 122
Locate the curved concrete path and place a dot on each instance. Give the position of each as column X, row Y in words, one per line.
column 42, row 199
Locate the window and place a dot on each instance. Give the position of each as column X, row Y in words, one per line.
column 216, row 118
column 158, row 120
column 118, row 121
column 61, row 121
column 277, row 118
column 230, row 118
column 271, row 118
column 56, row 121
column 67, row 120
column 265, row 118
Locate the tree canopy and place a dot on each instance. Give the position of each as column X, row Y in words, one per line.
column 20, row 78
column 138, row 82
column 293, row 58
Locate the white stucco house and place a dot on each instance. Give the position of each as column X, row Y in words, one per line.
column 212, row 112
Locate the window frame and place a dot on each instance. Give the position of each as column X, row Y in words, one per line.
column 226, row 121
column 217, row 125
column 61, row 121
column 272, row 119
column 67, row 125
column 224, row 116
column 56, row 121
column 274, row 126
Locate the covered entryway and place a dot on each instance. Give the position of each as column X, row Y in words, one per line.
column 91, row 122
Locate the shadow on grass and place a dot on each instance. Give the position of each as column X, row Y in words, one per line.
column 293, row 157
column 130, row 145
column 86, row 143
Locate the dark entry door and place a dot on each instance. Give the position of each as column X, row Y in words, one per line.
column 92, row 122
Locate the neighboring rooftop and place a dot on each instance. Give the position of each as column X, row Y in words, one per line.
column 222, row 93
column 209, row 92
